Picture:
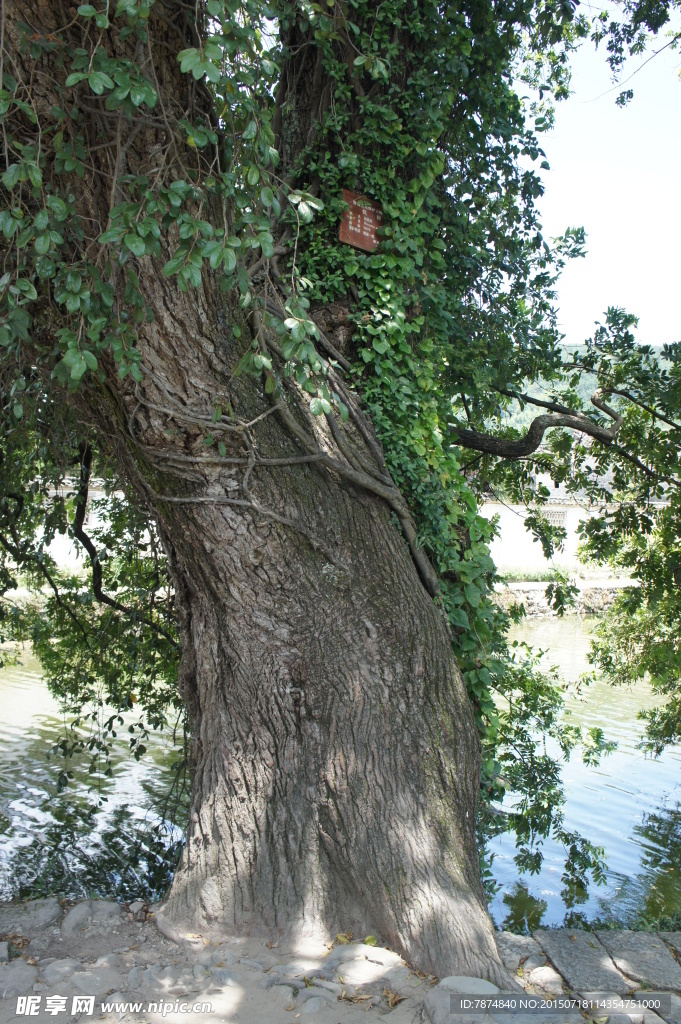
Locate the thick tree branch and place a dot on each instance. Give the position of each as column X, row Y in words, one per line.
column 520, row 448
column 80, row 534
column 21, row 558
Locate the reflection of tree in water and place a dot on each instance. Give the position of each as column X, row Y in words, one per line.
column 655, row 891
column 526, row 911
column 72, row 844
column 584, row 863
column 129, row 858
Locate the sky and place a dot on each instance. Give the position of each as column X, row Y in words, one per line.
column 617, row 173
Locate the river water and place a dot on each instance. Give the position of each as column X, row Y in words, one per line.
column 122, row 840
column 630, row 805
column 119, row 838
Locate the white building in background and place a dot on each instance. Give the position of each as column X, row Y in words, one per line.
column 67, row 552
column 516, row 550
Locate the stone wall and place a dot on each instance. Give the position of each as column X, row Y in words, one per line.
column 592, row 598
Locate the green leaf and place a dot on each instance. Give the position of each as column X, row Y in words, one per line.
column 75, row 78
column 213, row 49
column 174, row 264
column 12, row 175
column 212, row 251
column 111, row 235
column 87, row 11
column 73, row 281
column 319, row 406
column 189, row 59
column 99, row 82
column 58, row 207
column 305, row 212
column 42, row 244
column 250, row 131
column 27, row 289
column 138, row 94
column 35, row 175
column 266, row 245
column 79, row 368
column 135, row 244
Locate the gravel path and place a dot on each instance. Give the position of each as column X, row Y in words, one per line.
column 75, row 963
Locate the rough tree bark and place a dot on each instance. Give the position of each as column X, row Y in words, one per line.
column 336, row 759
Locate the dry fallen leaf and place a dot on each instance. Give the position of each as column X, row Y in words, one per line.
column 392, row 997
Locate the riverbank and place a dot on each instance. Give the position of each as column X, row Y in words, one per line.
column 594, row 595
column 73, row 962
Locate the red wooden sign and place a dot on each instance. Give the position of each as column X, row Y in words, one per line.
column 360, row 221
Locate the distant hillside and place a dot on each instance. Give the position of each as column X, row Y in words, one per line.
column 520, row 419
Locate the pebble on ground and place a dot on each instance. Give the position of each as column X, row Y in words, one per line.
column 75, row 963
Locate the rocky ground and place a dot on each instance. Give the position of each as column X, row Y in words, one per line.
column 53, row 957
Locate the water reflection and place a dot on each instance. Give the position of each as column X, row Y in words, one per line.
column 630, row 805
column 656, row 889
column 525, row 911
column 70, row 845
column 119, row 839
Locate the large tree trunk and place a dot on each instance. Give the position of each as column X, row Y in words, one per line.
column 335, row 754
